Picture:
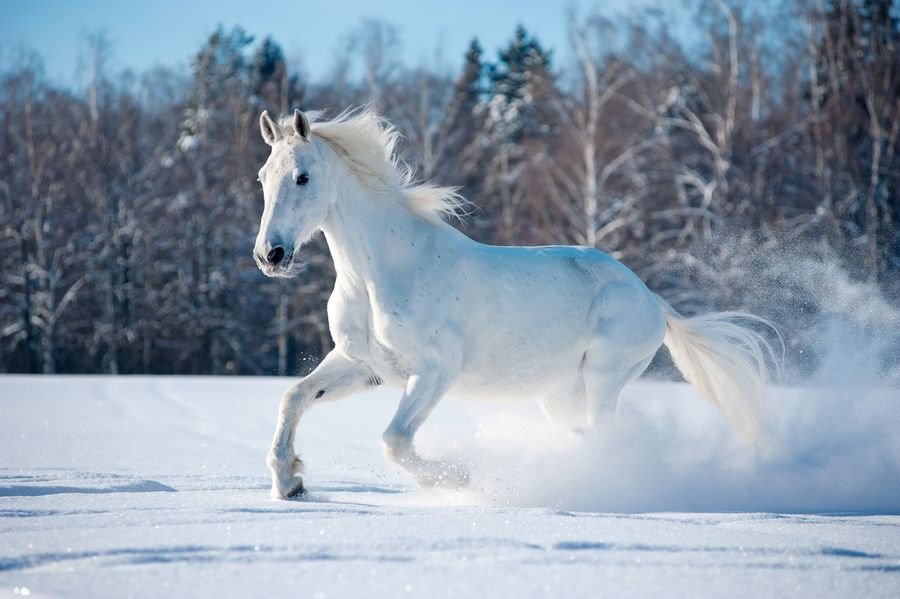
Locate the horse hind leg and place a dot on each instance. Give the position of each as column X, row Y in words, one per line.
column 629, row 331
column 422, row 394
column 566, row 411
column 604, row 381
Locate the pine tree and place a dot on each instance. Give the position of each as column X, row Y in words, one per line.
column 220, row 77
column 469, row 87
column 464, row 121
column 267, row 67
column 519, row 81
column 462, row 157
column 516, row 123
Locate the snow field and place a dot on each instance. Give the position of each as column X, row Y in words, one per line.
column 149, row 486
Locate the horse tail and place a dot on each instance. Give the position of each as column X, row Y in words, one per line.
column 728, row 363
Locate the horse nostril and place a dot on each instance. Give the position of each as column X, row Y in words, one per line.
column 275, row 256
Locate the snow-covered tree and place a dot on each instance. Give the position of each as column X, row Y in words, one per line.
column 515, row 116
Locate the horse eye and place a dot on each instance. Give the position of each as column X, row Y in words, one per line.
column 302, row 179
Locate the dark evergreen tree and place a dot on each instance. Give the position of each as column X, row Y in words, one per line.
column 519, row 81
column 463, row 154
column 267, row 64
column 270, row 83
column 220, row 76
column 469, row 87
column 464, row 120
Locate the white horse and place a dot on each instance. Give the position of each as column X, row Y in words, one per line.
column 419, row 305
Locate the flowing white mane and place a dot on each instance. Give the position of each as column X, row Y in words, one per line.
column 367, row 142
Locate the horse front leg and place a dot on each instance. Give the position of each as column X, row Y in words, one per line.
column 421, row 395
column 335, row 378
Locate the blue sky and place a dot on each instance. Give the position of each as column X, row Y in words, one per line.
column 168, row 32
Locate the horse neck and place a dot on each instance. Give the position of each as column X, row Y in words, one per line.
column 370, row 237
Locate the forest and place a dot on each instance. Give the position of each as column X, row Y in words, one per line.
column 754, row 166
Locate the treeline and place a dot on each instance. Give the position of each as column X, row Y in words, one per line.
column 128, row 208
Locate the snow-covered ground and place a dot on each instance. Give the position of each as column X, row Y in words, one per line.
column 116, row 487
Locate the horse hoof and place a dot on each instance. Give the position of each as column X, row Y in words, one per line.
column 299, row 492
column 293, row 490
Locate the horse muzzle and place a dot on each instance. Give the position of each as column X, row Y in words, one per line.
column 275, row 261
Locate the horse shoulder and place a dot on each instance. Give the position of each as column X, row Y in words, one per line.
column 417, row 316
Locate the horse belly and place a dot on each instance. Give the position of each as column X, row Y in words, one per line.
column 527, row 326
column 516, row 386
column 525, row 359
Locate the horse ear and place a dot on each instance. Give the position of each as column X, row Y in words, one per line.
column 267, row 128
column 301, row 124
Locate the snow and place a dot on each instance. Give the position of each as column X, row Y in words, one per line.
column 149, row 486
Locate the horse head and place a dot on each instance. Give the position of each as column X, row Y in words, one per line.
column 296, row 193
